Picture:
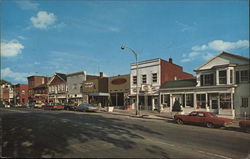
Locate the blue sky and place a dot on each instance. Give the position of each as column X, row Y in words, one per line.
column 44, row 37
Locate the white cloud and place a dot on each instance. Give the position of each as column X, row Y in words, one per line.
column 43, row 20
column 11, row 48
column 27, row 5
column 220, row 45
column 17, row 76
column 22, row 37
column 114, row 29
column 207, row 51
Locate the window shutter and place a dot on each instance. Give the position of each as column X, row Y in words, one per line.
column 237, row 77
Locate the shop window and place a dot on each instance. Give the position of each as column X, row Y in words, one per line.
column 201, row 100
column 225, row 101
column 154, row 77
column 244, row 102
column 134, row 80
column 223, row 77
column 190, row 100
column 144, row 79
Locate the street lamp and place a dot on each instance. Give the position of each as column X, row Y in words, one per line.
column 137, row 78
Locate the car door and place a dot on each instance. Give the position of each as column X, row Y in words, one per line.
column 191, row 117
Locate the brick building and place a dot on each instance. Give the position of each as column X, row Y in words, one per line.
column 38, row 92
column 21, row 94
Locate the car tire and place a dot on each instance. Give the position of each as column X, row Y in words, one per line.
column 179, row 121
column 210, row 125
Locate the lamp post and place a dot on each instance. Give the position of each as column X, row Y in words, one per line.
column 137, row 78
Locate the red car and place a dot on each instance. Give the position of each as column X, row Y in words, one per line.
column 202, row 118
column 53, row 106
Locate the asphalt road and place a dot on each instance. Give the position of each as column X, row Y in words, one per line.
column 63, row 134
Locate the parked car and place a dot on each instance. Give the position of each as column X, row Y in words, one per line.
column 69, row 107
column 53, row 106
column 202, row 118
column 87, row 108
column 38, row 105
column 245, row 124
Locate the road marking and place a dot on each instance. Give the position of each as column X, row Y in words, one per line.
column 213, row 154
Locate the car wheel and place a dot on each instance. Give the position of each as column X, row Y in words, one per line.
column 179, row 121
column 210, row 125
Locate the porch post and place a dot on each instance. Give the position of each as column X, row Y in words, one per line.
column 232, row 108
column 195, row 102
column 217, row 77
column 171, row 102
column 218, row 103
column 207, row 108
column 185, row 97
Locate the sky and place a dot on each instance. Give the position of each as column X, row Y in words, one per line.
column 66, row 36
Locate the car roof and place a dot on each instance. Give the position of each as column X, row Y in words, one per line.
column 201, row 112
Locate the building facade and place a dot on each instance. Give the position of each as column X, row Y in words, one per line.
column 75, row 89
column 6, row 91
column 118, row 88
column 96, row 90
column 21, row 94
column 152, row 74
column 38, row 92
column 57, row 88
column 221, row 86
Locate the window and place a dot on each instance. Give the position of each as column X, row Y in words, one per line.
column 201, row 114
column 144, row 79
column 201, row 100
column 134, row 80
column 23, row 92
column 225, row 101
column 244, row 75
column 223, row 77
column 244, row 102
column 154, row 77
column 209, row 79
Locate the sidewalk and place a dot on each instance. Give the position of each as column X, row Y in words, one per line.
column 168, row 116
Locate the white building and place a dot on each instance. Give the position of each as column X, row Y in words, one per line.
column 75, row 88
column 152, row 74
column 221, row 86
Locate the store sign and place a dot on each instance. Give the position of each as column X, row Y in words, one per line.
column 88, row 85
column 119, row 81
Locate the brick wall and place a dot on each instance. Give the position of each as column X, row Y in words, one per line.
column 170, row 72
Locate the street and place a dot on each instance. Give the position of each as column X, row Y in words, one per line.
column 67, row 134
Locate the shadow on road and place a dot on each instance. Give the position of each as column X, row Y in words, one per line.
column 38, row 134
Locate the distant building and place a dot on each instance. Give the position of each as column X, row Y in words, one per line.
column 58, row 88
column 6, row 91
column 152, row 74
column 38, row 92
column 21, row 94
column 96, row 90
column 74, row 85
column 221, row 86
column 119, row 87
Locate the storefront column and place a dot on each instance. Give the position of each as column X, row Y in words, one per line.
column 207, row 108
column 195, row 102
column 146, row 101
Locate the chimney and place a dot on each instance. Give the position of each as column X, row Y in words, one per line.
column 101, row 74
column 170, row 60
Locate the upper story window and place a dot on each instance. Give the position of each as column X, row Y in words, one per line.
column 144, row 79
column 154, row 77
column 223, row 77
column 134, row 80
column 207, row 79
column 244, row 75
column 244, row 102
